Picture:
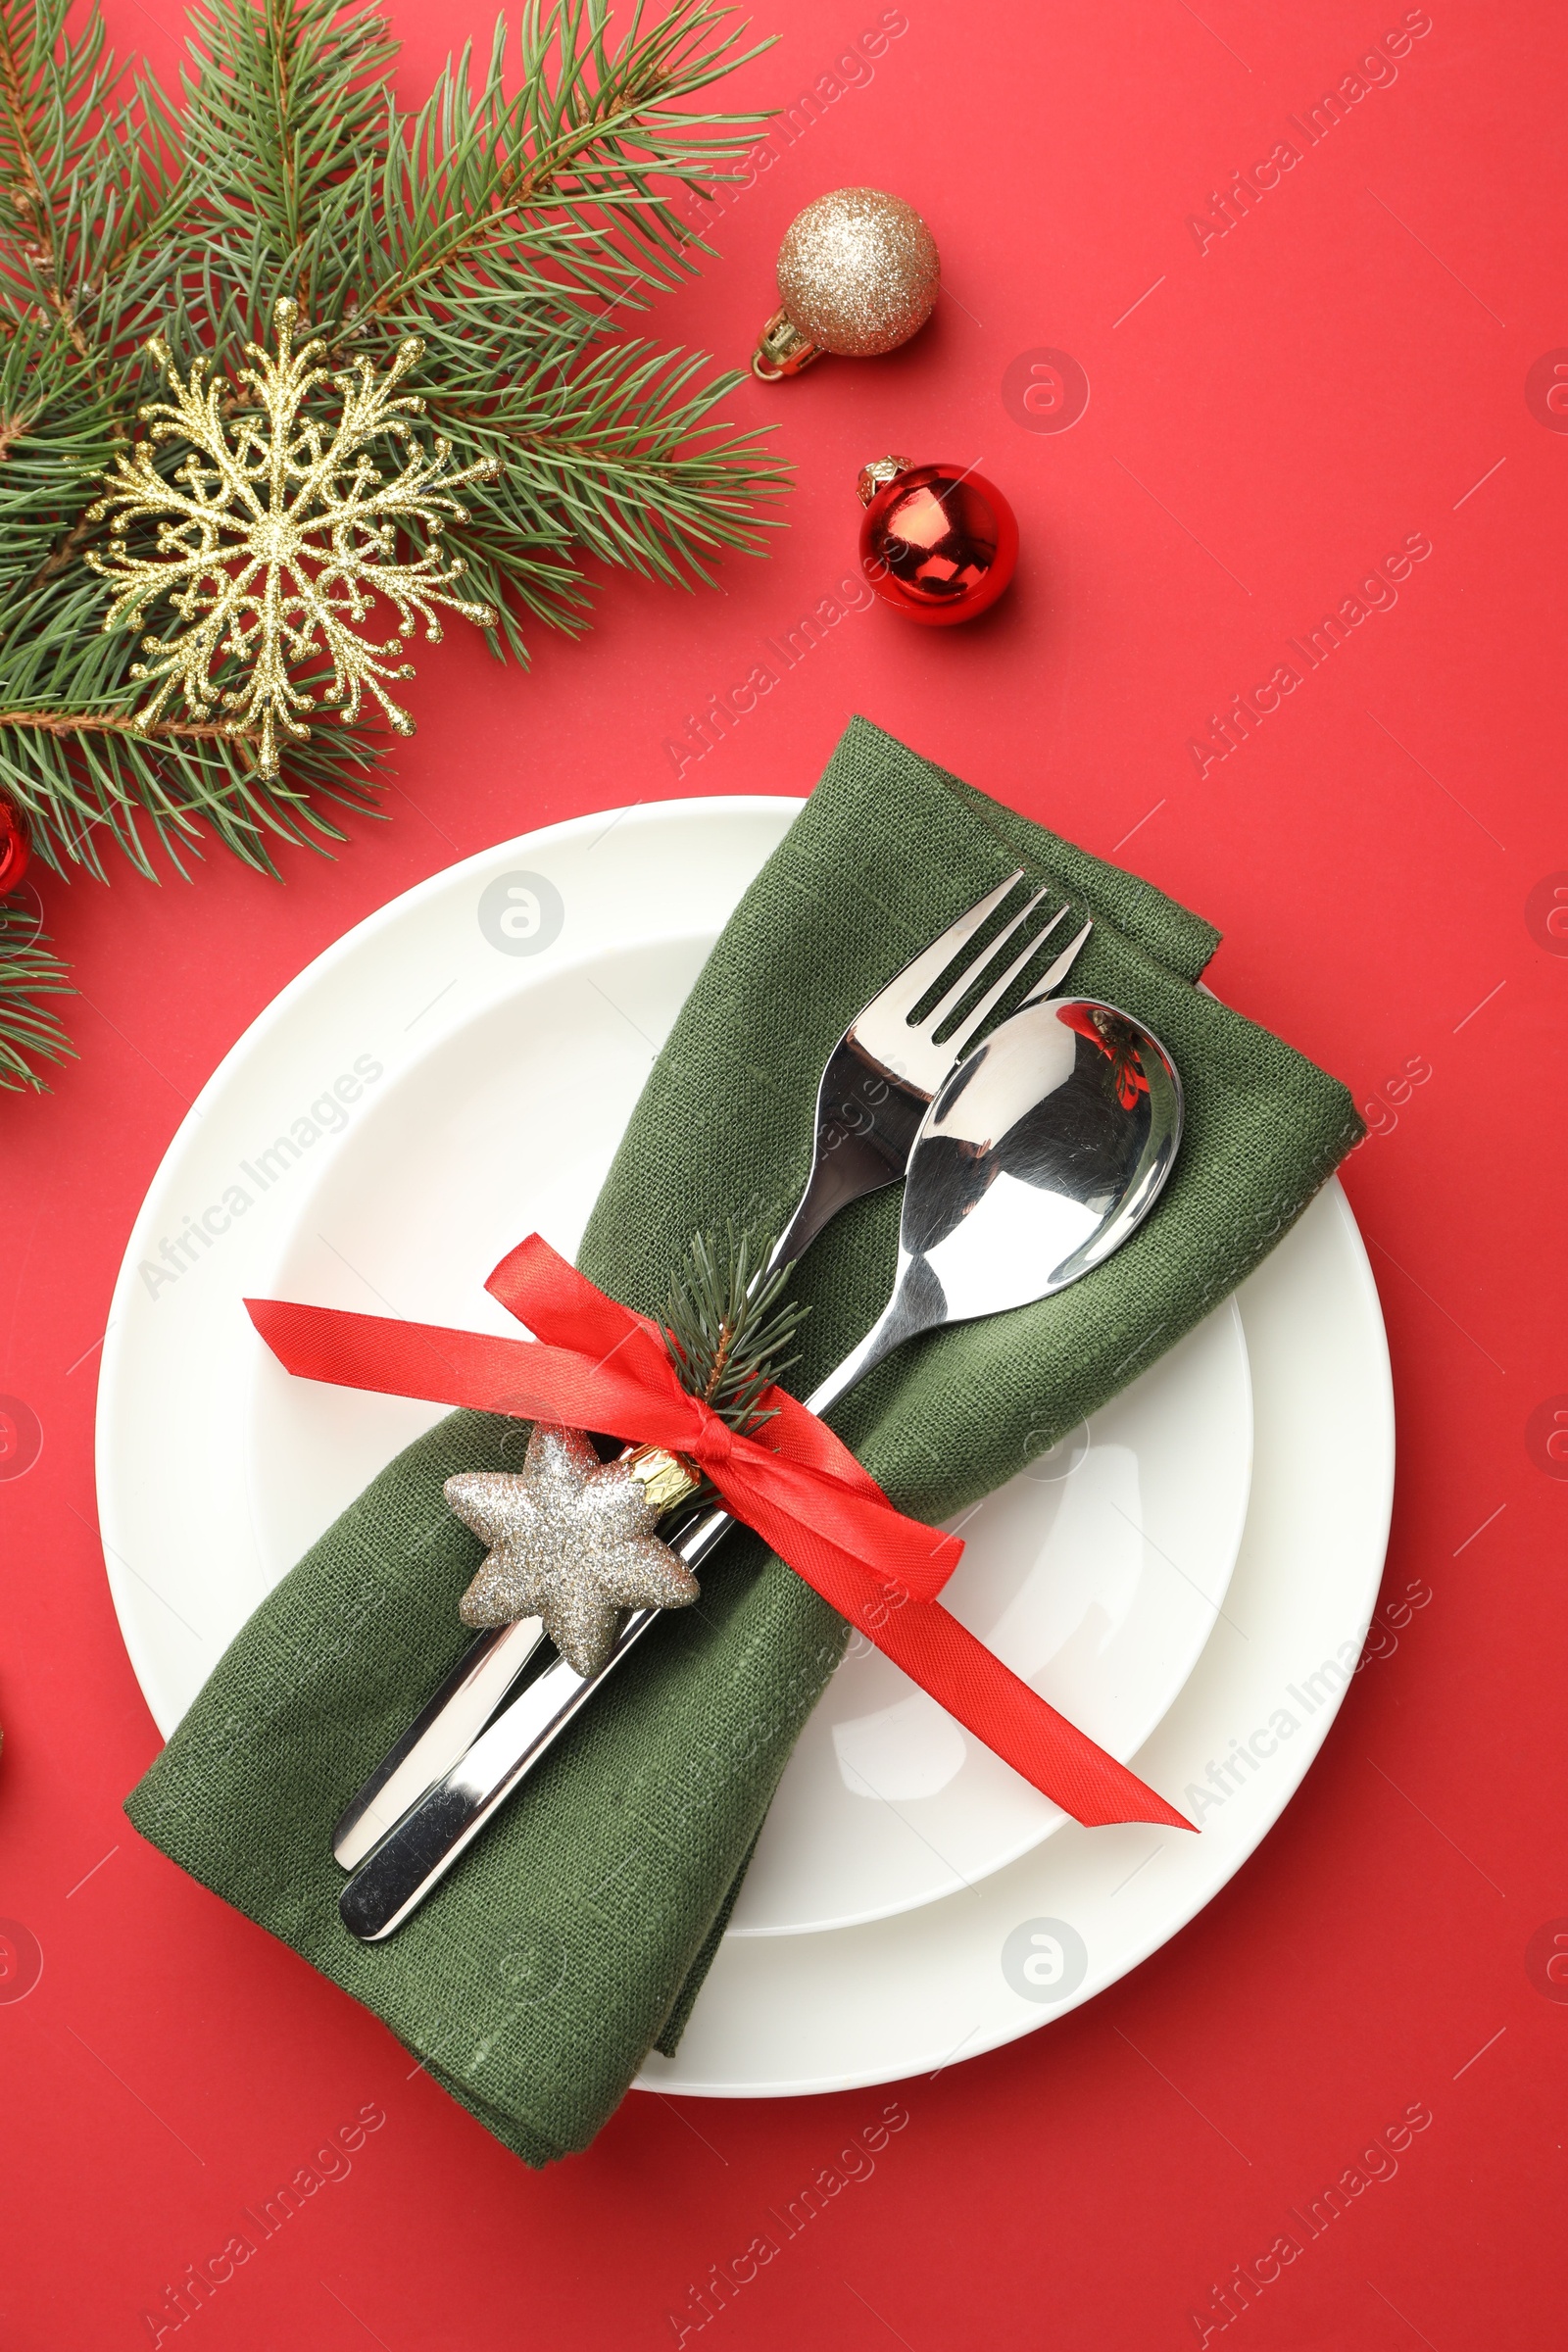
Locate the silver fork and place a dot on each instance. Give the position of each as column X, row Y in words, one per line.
column 874, row 1091
column 881, row 1075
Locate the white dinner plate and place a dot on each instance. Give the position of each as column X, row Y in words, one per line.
column 455, row 1074
column 906, row 1997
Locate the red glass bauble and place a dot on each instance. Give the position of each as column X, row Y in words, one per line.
column 15, row 847
column 938, row 543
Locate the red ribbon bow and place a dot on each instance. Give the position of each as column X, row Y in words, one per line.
column 597, row 1365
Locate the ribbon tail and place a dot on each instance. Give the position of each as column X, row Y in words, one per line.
column 989, row 1699
column 949, row 1662
column 829, row 1530
column 488, row 1375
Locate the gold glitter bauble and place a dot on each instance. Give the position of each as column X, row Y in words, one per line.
column 858, row 274
column 571, row 1542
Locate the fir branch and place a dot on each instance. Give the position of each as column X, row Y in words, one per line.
column 46, row 84
column 28, row 969
column 591, row 131
column 90, row 775
column 289, row 108
column 726, row 1329
column 99, row 722
column 504, row 222
column 622, row 458
column 90, row 181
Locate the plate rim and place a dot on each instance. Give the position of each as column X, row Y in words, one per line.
column 1032, row 1844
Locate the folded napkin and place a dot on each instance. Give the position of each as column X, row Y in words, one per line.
column 574, row 1938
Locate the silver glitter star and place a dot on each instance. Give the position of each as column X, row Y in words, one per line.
column 570, row 1541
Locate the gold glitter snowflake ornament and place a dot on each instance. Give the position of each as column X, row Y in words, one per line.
column 273, row 535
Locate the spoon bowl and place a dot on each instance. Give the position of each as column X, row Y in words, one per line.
column 1042, row 1154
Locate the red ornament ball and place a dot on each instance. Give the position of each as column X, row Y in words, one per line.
column 938, row 543
column 15, row 847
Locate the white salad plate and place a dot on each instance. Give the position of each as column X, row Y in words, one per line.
column 456, row 1072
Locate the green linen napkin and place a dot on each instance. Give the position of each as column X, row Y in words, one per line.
column 575, row 1935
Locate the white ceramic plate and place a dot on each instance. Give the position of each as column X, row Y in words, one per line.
column 455, row 1074
column 906, row 1997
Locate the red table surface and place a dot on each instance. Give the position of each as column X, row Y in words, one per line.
column 1274, row 410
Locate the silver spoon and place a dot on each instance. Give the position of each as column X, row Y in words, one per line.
column 1042, row 1154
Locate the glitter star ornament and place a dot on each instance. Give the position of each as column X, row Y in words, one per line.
column 277, row 533
column 570, row 1541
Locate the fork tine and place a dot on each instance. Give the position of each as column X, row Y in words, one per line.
column 1015, row 963
column 904, row 991
column 1051, row 978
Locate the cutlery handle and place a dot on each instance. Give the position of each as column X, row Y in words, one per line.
column 449, row 1724
column 413, row 1859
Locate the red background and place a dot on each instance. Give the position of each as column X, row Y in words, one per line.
column 1345, row 367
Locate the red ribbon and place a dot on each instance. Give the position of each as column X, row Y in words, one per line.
column 597, row 1365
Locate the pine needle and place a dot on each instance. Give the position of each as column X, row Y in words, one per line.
column 27, row 971
column 726, row 1329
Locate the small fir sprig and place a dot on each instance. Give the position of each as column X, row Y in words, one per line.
column 570, row 1536
column 727, row 1327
